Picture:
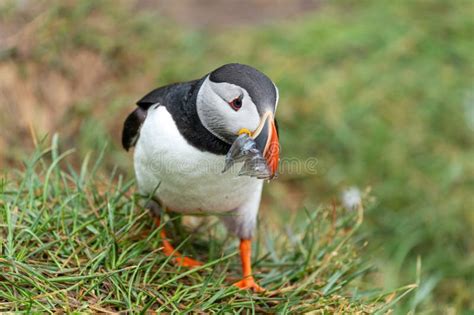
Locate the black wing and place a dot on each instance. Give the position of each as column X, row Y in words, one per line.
column 134, row 121
column 131, row 127
column 169, row 95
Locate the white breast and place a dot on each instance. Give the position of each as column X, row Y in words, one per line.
column 188, row 179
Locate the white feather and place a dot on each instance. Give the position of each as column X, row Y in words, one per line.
column 190, row 180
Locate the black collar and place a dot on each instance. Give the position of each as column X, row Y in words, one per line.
column 180, row 101
column 189, row 124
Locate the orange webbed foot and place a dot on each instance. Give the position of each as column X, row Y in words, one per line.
column 187, row 262
column 249, row 284
column 178, row 258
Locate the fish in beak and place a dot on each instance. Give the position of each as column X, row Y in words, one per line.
column 266, row 138
column 259, row 150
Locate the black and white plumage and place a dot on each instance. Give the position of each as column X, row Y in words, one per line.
column 182, row 132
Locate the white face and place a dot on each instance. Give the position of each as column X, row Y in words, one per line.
column 219, row 116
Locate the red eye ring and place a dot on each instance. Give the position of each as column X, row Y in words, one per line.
column 236, row 103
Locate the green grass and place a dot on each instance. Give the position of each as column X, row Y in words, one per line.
column 72, row 241
column 381, row 93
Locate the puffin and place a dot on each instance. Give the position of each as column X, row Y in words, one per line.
column 181, row 134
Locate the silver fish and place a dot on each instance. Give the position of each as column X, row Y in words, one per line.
column 244, row 149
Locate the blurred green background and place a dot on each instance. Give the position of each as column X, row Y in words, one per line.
column 381, row 93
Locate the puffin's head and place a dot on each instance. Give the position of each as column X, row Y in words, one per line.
column 236, row 99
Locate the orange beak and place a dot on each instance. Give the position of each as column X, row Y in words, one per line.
column 266, row 138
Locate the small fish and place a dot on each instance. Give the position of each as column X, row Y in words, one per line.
column 244, row 149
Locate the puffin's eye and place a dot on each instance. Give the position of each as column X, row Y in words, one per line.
column 236, row 103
